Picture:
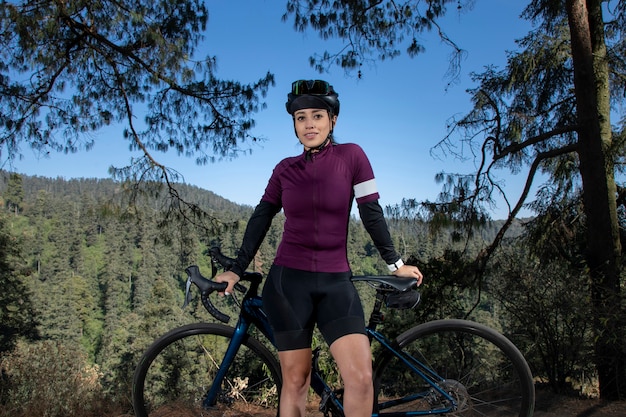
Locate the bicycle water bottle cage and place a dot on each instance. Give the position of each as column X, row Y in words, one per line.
column 403, row 300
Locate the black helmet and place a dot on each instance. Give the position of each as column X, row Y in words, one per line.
column 307, row 94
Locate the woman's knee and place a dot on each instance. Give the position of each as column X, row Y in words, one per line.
column 353, row 356
column 358, row 379
column 296, row 369
column 297, row 379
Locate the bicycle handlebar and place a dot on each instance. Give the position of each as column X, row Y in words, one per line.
column 216, row 254
column 207, row 286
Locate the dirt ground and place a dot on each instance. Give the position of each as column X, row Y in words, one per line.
column 560, row 406
column 547, row 405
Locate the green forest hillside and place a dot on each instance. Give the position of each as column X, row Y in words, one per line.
column 90, row 281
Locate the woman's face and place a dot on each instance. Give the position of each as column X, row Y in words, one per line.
column 313, row 126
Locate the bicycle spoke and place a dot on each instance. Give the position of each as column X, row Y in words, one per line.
column 480, row 377
column 183, row 370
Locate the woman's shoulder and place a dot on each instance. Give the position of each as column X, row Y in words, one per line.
column 349, row 147
column 287, row 162
column 351, row 151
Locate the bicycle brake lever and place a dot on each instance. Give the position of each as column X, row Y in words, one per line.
column 187, row 292
column 213, row 268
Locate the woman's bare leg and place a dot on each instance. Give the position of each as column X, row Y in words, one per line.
column 354, row 359
column 296, row 370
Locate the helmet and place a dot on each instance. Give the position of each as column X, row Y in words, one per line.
column 307, row 94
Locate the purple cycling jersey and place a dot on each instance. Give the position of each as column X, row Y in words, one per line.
column 316, row 196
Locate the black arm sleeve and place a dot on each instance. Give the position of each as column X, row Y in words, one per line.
column 257, row 228
column 372, row 217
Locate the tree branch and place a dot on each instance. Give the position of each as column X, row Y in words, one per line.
column 516, row 147
column 486, row 253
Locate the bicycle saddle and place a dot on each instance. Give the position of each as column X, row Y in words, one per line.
column 397, row 283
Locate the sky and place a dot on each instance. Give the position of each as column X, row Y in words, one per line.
column 397, row 111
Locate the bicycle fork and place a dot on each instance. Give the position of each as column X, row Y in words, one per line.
column 236, row 341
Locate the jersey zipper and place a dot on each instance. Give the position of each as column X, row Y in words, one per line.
column 316, row 194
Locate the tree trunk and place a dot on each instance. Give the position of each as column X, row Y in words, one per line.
column 599, row 191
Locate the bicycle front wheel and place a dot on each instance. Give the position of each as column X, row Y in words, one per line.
column 177, row 371
column 480, row 369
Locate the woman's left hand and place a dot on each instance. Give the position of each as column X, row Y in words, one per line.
column 409, row 271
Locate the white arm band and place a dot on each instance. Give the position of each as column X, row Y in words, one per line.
column 395, row 266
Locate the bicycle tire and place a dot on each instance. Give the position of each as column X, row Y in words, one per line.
column 177, row 370
column 482, row 369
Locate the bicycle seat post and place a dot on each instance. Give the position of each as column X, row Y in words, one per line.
column 376, row 316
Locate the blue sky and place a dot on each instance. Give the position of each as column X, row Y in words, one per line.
column 397, row 111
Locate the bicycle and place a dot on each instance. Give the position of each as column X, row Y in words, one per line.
column 448, row 367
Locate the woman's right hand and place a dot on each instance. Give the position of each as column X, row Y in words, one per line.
column 410, row 271
column 231, row 278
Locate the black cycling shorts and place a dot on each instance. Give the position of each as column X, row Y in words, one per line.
column 295, row 301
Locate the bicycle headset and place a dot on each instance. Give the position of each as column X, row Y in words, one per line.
column 312, row 94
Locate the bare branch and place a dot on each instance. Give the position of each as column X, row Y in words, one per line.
column 516, row 147
column 483, row 257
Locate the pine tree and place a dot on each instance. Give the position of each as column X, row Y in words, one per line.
column 17, row 316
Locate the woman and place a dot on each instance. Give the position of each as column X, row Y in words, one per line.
column 309, row 281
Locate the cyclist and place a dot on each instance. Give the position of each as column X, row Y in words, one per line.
column 309, row 281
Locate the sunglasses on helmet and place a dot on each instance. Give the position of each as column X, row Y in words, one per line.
column 317, row 87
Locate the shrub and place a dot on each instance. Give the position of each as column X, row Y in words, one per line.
column 49, row 379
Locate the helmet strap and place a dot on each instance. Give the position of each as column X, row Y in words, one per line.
column 319, row 147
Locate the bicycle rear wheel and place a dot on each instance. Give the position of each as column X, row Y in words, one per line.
column 176, row 372
column 481, row 369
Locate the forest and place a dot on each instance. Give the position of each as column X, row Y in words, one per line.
column 90, row 281
column 92, row 270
